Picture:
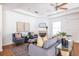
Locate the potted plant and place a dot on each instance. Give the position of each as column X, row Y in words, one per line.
column 62, row 34
column 64, row 41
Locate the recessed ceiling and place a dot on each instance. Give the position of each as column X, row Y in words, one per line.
column 39, row 9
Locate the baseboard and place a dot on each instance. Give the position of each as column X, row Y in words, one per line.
column 1, row 49
column 7, row 44
column 76, row 42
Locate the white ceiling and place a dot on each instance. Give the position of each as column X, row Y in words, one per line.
column 43, row 9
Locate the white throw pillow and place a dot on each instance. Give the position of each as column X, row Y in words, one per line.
column 24, row 33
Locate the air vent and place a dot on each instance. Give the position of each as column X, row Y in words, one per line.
column 51, row 4
column 36, row 12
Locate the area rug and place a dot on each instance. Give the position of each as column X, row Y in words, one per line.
column 20, row 50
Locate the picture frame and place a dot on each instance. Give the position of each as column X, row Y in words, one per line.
column 42, row 25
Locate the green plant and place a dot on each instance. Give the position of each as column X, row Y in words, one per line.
column 61, row 34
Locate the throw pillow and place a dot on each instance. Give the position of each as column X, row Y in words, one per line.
column 24, row 34
column 49, row 43
column 18, row 35
column 40, row 42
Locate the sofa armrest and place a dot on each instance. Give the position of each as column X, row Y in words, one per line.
column 52, row 49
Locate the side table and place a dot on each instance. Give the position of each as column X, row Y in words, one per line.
column 63, row 51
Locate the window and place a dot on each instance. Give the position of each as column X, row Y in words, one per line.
column 56, row 27
column 22, row 27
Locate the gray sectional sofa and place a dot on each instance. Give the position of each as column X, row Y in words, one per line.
column 48, row 49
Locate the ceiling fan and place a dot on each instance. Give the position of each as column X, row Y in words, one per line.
column 59, row 6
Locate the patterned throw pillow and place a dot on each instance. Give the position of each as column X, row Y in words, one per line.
column 40, row 42
column 18, row 35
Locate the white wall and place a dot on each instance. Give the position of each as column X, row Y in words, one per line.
column 70, row 24
column 9, row 24
column 0, row 27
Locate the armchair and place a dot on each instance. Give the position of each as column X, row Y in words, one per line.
column 18, row 39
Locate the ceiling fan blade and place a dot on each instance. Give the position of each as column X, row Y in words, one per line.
column 63, row 8
column 61, row 5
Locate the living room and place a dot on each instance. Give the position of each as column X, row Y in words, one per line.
column 30, row 17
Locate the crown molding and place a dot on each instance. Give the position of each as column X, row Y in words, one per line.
column 52, row 15
column 71, row 11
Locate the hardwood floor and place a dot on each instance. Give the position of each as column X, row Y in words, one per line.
column 8, row 52
column 76, row 49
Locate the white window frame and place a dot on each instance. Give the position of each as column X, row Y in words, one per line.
column 56, row 27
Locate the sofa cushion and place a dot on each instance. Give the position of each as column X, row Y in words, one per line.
column 50, row 42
